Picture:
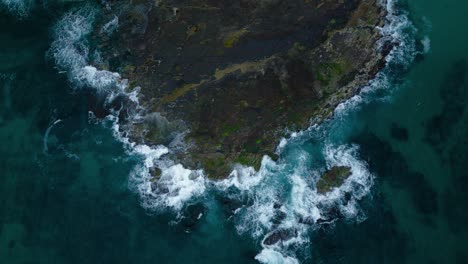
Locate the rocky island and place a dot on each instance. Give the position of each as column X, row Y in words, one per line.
column 229, row 78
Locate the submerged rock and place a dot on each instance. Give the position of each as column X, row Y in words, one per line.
column 333, row 178
column 235, row 74
column 399, row 133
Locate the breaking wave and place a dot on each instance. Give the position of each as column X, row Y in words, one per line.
column 285, row 203
column 71, row 51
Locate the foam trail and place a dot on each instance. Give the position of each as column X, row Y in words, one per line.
column 111, row 26
column 45, row 140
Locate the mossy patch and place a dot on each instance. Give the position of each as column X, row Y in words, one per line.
column 179, row 92
column 329, row 73
column 229, row 129
column 249, row 159
column 233, row 37
column 216, row 167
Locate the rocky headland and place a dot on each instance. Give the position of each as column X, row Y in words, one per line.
column 230, row 78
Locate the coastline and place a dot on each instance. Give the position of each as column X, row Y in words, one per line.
column 160, row 123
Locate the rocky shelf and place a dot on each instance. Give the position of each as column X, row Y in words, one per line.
column 232, row 76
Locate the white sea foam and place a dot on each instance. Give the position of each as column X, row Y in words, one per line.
column 70, row 51
column 270, row 256
column 22, row 8
column 426, row 42
column 398, row 29
column 175, row 186
column 284, row 196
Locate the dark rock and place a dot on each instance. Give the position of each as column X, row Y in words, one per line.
column 279, row 236
column 279, row 217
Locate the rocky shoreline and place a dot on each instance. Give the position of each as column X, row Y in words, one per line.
column 229, row 79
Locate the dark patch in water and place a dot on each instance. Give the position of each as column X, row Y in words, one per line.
column 192, row 214
column 391, row 166
column 351, row 243
column 11, row 244
column 399, row 133
column 454, row 199
column 453, row 93
column 461, row 258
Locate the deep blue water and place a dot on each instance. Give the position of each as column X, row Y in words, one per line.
column 66, row 194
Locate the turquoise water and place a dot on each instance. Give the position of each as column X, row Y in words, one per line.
column 66, row 195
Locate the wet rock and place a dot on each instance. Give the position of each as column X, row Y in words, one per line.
column 155, row 173
column 333, row 178
column 278, row 217
column 280, row 235
column 307, row 220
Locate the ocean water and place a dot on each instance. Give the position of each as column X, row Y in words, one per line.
column 73, row 190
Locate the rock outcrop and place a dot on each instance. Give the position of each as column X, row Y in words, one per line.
column 236, row 74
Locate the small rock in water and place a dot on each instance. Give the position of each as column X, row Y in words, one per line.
column 155, row 174
column 333, row 178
